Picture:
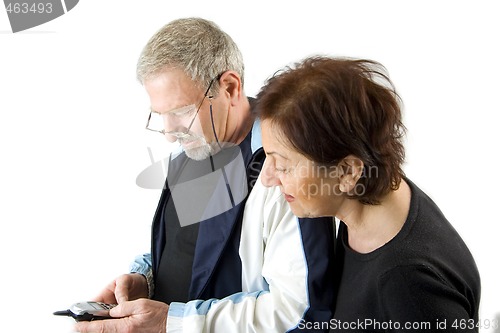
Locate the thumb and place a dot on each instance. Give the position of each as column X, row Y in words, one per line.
column 124, row 309
column 121, row 298
column 121, row 292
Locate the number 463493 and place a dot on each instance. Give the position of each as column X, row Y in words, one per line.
column 471, row 324
column 25, row 8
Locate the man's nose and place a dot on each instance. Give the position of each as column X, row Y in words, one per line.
column 268, row 175
column 175, row 128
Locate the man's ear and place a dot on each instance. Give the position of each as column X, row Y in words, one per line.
column 231, row 86
column 350, row 171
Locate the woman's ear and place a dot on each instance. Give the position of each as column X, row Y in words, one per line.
column 350, row 171
column 231, row 87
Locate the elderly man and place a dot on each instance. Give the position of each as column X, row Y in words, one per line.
column 227, row 254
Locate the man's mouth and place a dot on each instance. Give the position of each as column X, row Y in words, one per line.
column 187, row 142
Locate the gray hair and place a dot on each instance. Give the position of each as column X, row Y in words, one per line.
column 196, row 46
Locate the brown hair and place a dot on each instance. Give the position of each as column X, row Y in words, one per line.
column 329, row 108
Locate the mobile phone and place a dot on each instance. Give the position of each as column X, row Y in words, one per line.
column 87, row 311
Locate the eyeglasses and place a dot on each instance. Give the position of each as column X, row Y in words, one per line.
column 181, row 113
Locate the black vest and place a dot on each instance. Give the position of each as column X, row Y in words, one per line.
column 195, row 249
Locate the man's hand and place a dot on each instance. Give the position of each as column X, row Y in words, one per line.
column 139, row 316
column 127, row 287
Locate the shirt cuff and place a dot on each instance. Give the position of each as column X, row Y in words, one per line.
column 148, row 274
column 175, row 317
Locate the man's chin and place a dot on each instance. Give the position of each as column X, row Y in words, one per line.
column 199, row 152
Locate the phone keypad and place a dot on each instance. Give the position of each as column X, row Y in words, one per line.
column 107, row 306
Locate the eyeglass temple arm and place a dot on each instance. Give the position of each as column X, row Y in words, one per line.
column 204, row 96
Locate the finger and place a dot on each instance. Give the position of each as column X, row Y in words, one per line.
column 107, row 295
column 121, row 298
column 105, row 298
column 122, row 290
column 105, row 326
column 124, row 309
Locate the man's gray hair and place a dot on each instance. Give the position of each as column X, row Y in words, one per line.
column 196, row 46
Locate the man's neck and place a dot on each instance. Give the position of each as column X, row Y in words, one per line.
column 241, row 122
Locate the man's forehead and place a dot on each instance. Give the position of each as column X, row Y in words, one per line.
column 174, row 79
column 171, row 90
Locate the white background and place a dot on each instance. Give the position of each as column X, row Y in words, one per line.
column 72, row 136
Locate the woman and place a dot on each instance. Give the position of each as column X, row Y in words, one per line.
column 332, row 132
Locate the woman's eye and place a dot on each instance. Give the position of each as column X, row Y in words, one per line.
column 282, row 170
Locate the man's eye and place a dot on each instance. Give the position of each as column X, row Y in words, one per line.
column 182, row 112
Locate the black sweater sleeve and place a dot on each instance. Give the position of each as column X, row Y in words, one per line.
column 418, row 299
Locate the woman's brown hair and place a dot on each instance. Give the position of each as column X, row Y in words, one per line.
column 329, row 108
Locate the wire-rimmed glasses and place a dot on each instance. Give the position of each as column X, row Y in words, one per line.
column 182, row 112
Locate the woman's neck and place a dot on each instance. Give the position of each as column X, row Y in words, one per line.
column 372, row 226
